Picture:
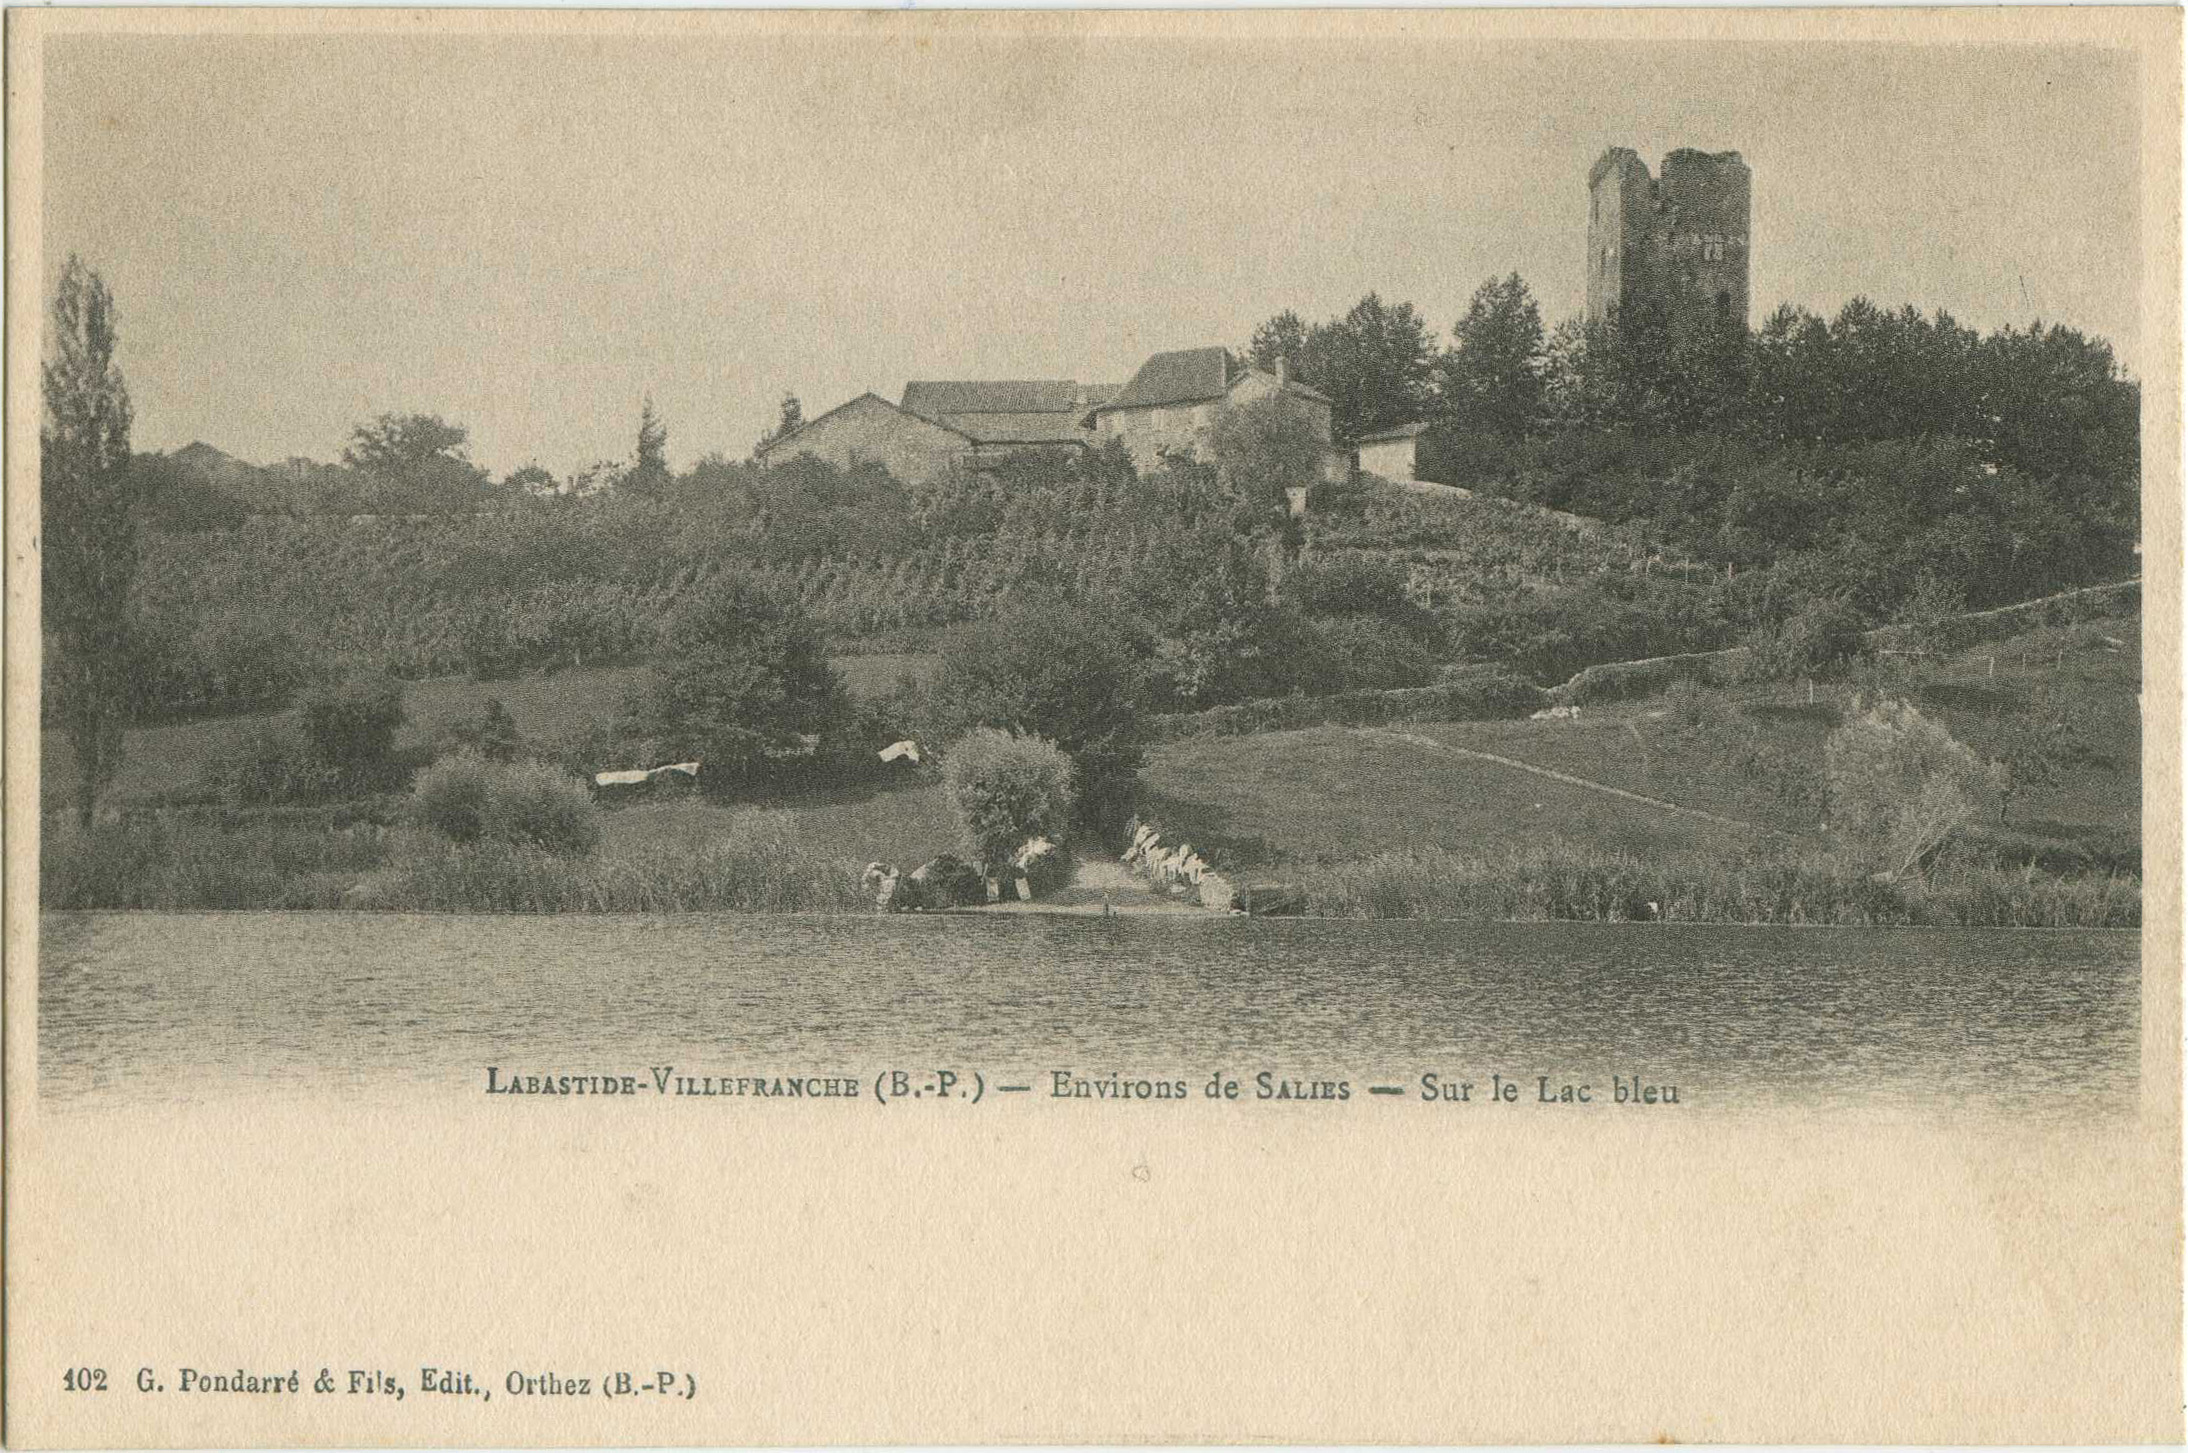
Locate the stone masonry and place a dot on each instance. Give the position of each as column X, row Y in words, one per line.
column 1678, row 240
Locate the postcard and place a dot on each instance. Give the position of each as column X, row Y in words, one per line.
column 756, row 728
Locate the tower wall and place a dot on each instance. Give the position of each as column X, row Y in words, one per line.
column 1621, row 208
column 1701, row 235
column 1680, row 241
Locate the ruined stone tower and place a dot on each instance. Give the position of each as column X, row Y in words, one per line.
column 1679, row 240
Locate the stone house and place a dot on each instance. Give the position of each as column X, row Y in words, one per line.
column 1008, row 416
column 1173, row 399
column 871, row 430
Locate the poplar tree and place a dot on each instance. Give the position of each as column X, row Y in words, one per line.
column 88, row 534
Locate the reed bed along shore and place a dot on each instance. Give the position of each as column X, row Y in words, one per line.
column 761, row 865
column 1565, row 882
column 763, row 861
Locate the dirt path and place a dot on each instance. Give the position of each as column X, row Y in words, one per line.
column 1430, row 744
column 1097, row 880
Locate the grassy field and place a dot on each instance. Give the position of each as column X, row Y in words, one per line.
column 1981, row 696
column 1332, row 795
column 905, row 823
column 552, row 707
column 1387, row 822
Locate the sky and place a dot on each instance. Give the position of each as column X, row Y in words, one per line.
column 527, row 235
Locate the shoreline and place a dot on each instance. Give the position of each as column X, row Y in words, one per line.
column 1031, row 910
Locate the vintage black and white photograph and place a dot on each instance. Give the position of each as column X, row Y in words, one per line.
column 1089, row 559
column 1064, row 727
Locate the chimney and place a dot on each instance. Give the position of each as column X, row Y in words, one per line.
column 1283, row 372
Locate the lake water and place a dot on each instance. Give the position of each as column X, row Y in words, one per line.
column 197, row 1006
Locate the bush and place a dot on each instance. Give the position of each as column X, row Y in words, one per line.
column 535, row 806
column 272, row 765
column 351, row 724
column 451, row 797
column 1899, row 786
column 1006, row 791
column 492, row 733
column 1821, row 639
column 1690, row 704
column 758, row 864
column 1354, row 585
column 467, row 798
column 1361, row 653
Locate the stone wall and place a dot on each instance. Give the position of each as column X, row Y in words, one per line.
column 870, row 430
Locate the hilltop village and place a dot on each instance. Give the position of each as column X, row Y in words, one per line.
column 1677, row 246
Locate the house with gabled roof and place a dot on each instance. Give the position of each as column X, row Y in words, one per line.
column 871, row 430
column 946, row 423
column 1173, row 398
column 1004, row 416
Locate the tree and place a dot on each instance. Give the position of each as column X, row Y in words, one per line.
column 1492, row 379
column 88, row 535
column 1053, row 668
column 415, row 462
column 1282, row 339
column 394, row 444
column 650, row 468
column 1900, row 786
column 790, row 417
column 1006, row 790
column 1266, row 446
column 1377, row 363
column 532, row 479
column 746, row 676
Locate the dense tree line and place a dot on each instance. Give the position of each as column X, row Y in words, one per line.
column 1854, row 457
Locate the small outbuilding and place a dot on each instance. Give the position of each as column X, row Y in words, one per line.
column 1392, row 453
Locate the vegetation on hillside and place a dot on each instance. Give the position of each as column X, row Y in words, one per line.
column 1784, row 491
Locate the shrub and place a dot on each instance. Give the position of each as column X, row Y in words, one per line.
column 1821, row 639
column 1361, row 653
column 351, row 724
column 273, row 765
column 492, row 733
column 1353, row 585
column 1006, row 790
column 759, row 864
column 1900, row 787
column 467, row 798
column 451, row 797
column 535, row 806
column 1690, row 704
column 191, row 859
column 1926, row 614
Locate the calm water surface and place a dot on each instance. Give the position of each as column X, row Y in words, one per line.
column 194, row 1006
